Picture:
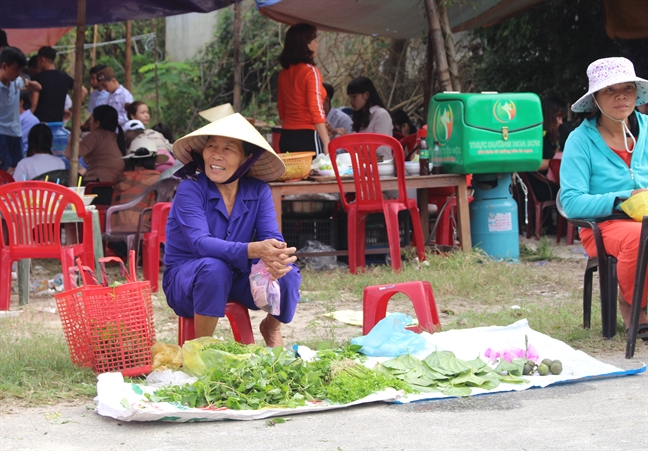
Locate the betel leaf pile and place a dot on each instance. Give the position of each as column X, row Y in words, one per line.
column 442, row 371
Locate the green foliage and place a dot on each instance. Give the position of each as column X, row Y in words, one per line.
column 547, row 49
column 278, row 377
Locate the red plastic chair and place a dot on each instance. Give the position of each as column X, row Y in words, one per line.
column 5, row 177
column 32, row 213
column 375, row 299
column 239, row 319
column 151, row 244
column 369, row 197
column 538, row 207
column 410, row 143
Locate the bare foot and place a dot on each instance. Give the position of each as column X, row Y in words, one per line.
column 625, row 308
column 270, row 328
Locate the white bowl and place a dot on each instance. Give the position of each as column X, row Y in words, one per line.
column 413, row 168
column 326, row 172
column 79, row 190
column 386, row 168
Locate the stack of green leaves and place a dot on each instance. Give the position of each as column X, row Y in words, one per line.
column 262, row 378
column 442, row 371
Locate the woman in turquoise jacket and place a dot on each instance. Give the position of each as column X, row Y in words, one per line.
column 605, row 162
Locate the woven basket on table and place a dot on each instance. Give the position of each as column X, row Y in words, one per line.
column 298, row 165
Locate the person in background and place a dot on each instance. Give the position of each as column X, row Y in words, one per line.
column 27, row 118
column 41, row 159
column 102, row 150
column 118, row 96
column 139, row 117
column 12, row 60
column 32, row 66
column 554, row 112
column 604, row 163
column 338, row 123
column 402, row 122
column 48, row 105
column 165, row 130
column 97, row 96
column 643, row 109
column 139, row 174
column 369, row 113
column 301, row 95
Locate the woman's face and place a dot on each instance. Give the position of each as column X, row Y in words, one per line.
column 94, row 124
column 618, row 100
column 142, row 114
column 313, row 46
column 358, row 101
column 222, row 156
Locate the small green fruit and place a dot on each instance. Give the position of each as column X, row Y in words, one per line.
column 556, row 367
column 547, row 362
column 543, row 369
column 528, row 369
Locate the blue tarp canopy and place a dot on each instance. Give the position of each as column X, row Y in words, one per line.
column 398, row 19
column 63, row 13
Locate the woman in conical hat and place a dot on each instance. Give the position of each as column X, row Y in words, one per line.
column 605, row 161
column 222, row 219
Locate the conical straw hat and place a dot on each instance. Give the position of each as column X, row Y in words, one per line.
column 268, row 167
column 218, row 112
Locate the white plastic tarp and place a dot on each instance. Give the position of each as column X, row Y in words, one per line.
column 126, row 402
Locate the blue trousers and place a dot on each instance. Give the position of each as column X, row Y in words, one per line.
column 10, row 151
column 203, row 286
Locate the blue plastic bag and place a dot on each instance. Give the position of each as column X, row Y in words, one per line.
column 389, row 338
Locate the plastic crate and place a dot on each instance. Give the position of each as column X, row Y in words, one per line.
column 297, row 232
column 376, row 230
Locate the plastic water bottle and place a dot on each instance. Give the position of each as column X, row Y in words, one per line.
column 424, row 158
column 60, row 137
column 437, row 164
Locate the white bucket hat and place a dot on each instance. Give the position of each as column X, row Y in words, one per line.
column 607, row 72
column 143, row 147
column 133, row 124
column 268, row 166
column 218, row 112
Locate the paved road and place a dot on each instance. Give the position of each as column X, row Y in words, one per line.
column 609, row 414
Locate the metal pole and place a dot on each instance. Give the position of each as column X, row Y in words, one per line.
column 155, row 55
column 76, row 96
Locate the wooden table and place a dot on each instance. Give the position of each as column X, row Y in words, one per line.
column 420, row 183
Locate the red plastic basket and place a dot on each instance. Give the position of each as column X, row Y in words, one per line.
column 118, row 323
column 72, row 312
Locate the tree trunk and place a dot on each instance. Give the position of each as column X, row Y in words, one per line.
column 451, row 52
column 436, row 38
column 76, row 95
column 395, row 66
column 127, row 69
column 236, row 47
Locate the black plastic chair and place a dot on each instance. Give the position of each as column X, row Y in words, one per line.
column 62, row 175
column 640, row 281
column 606, row 266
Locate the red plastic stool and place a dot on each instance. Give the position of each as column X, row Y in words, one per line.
column 375, row 299
column 239, row 319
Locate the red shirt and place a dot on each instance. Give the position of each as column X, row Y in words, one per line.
column 301, row 97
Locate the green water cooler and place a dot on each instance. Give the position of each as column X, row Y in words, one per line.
column 489, row 135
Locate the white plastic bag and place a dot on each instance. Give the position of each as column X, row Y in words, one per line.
column 265, row 291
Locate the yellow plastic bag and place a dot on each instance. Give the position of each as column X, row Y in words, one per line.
column 198, row 359
column 166, row 356
column 637, row 206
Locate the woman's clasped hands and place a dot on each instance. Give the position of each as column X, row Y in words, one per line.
column 275, row 254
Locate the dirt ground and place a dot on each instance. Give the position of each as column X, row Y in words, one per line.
column 309, row 323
